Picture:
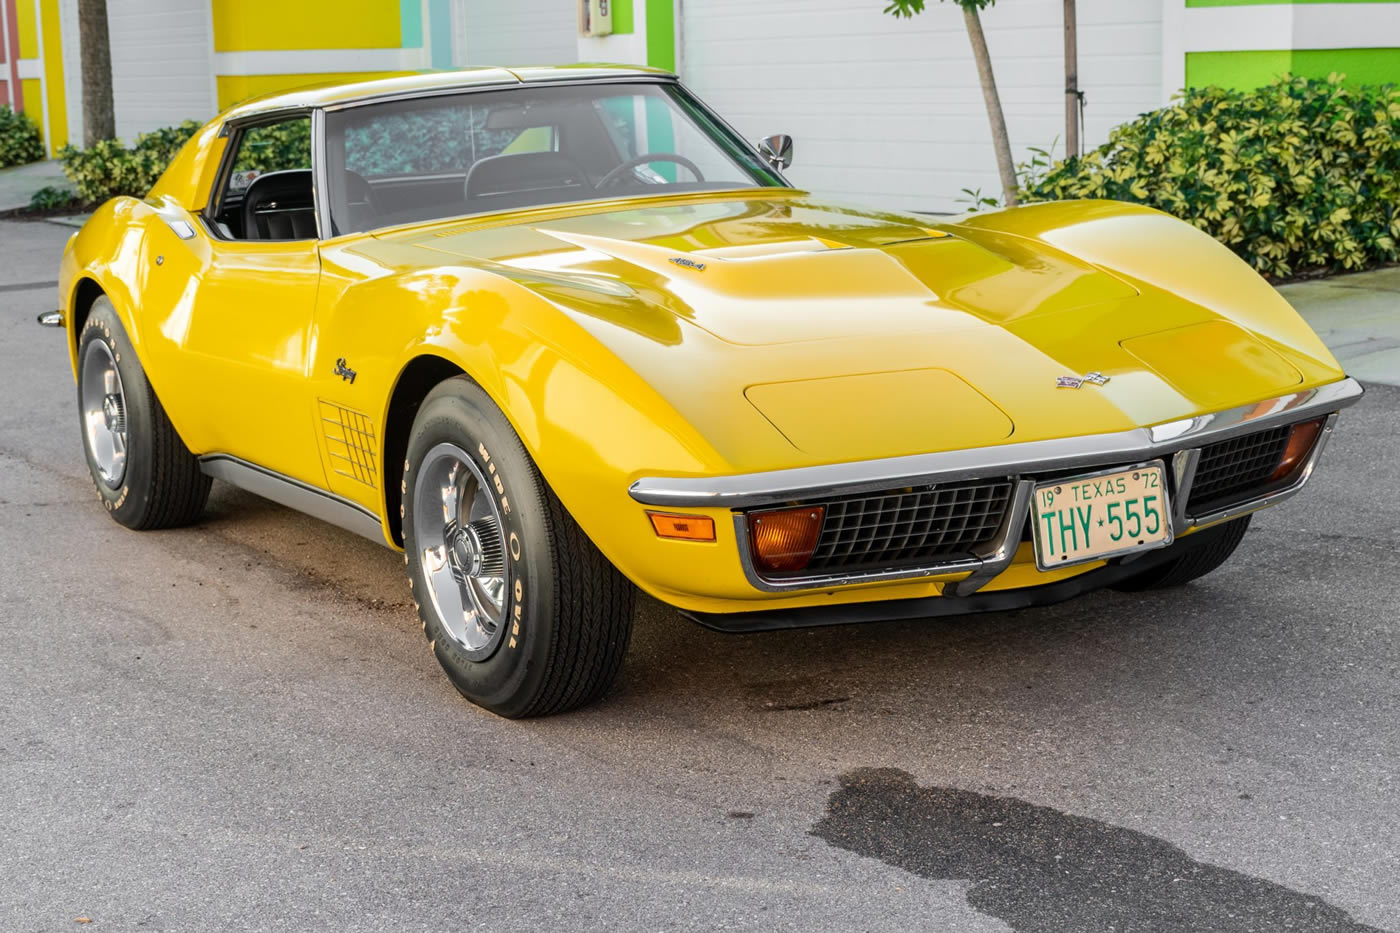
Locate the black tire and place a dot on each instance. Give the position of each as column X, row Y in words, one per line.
column 568, row 612
column 1204, row 551
column 160, row 484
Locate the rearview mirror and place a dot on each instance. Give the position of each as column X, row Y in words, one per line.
column 777, row 150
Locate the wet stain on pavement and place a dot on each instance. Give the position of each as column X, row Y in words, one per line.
column 1042, row 871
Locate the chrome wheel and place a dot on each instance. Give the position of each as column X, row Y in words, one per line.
column 104, row 412
column 457, row 533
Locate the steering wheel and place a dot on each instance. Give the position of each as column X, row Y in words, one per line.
column 643, row 159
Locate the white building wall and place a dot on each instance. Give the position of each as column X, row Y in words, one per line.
column 518, row 32
column 162, row 64
column 889, row 111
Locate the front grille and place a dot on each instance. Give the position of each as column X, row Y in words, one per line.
column 1239, row 467
column 909, row 527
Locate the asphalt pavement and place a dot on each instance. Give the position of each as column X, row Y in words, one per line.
column 239, row 726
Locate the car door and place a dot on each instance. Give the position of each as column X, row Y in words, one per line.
column 242, row 322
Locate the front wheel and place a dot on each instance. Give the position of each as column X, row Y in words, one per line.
column 524, row 614
column 1205, row 550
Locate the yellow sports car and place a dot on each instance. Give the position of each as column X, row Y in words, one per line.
column 561, row 332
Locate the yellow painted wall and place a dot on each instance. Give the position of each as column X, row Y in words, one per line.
column 236, row 88
column 31, row 89
column 273, row 25
column 53, row 76
column 28, row 35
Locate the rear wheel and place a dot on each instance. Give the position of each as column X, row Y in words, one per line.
column 1205, row 551
column 146, row 476
column 524, row 614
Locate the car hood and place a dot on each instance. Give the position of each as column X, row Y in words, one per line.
column 846, row 333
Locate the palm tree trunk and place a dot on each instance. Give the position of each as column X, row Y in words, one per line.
column 995, row 117
column 96, row 58
column 1071, row 80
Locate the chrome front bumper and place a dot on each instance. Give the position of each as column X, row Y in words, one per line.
column 1178, row 442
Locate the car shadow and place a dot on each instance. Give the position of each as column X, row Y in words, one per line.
column 1042, row 871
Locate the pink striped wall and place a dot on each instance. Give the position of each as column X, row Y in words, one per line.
column 9, row 58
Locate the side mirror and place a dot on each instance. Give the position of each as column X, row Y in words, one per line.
column 777, row 150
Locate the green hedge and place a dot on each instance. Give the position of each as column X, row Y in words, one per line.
column 108, row 169
column 19, row 139
column 443, row 139
column 49, row 198
column 275, row 146
column 1300, row 175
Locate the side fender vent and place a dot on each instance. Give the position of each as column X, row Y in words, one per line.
column 350, row 442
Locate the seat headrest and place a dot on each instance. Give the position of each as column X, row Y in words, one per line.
column 291, row 182
column 280, row 206
column 521, row 171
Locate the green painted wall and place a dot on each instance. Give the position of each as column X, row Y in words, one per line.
column 622, row 17
column 1254, row 69
column 661, row 34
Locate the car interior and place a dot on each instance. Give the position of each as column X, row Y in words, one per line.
column 279, row 206
column 500, row 151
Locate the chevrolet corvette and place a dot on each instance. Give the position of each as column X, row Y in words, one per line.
column 562, row 334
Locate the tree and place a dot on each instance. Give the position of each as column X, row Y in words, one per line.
column 99, row 120
column 1074, row 99
column 1000, row 141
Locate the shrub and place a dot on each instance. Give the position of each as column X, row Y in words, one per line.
column 442, row 139
column 108, row 169
column 276, row 146
column 50, row 198
column 19, row 139
column 1302, row 174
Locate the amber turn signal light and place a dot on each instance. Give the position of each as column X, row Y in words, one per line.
column 1300, row 444
column 784, row 539
column 684, row 527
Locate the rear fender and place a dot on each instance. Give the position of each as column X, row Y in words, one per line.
column 106, row 252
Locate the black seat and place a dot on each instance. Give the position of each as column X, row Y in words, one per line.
column 280, row 206
column 516, row 180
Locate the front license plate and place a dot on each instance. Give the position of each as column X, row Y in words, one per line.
column 1101, row 515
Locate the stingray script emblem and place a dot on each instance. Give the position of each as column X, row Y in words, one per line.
column 1075, row 382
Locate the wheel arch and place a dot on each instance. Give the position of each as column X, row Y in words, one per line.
column 86, row 291
column 417, row 378
column 82, row 295
column 100, row 260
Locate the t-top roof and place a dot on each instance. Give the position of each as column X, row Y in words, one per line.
column 410, row 83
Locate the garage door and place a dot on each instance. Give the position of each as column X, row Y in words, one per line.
column 889, row 111
column 162, row 69
column 522, row 32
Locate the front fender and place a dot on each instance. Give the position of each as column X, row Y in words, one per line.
column 590, row 423
column 1155, row 251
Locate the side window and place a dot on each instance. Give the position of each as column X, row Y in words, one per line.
column 272, row 147
column 268, row 191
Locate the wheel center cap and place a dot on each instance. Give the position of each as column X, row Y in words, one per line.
column 466, row 551
column 112, row 414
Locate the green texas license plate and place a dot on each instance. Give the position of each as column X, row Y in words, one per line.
column 1101, row 515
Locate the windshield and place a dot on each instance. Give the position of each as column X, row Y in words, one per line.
column 414, row 160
